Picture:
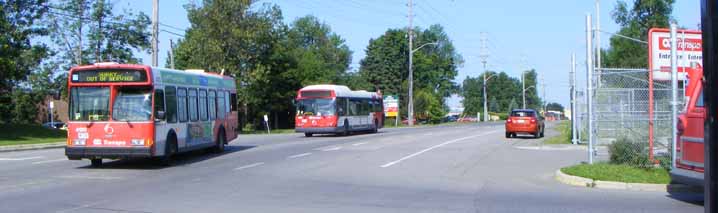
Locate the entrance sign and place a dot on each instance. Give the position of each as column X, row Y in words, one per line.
column 690, row 50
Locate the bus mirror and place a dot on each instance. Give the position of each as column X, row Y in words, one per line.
column 160, row 115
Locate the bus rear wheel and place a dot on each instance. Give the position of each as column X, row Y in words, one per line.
column 306, row 134
column 221, row 140
column 96, row 162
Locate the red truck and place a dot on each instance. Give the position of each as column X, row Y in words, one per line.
column 690, row 153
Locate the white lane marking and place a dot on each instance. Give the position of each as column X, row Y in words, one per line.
column 434, row 147
column 18, row 159
column 50, row 161
column 299, row 155
column 91, row 177
column 329, row 149
column 249, row 166
column 428, row 134
column 358, row 144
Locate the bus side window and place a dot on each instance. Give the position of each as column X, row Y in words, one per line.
column 365, row 107
column 203, row 104
column 220, row 105
column 159, row 103
column 233, row 101
column 192, row 104
column 182, row 104
column 212, row 104
column 226, row 101
column 171, row 104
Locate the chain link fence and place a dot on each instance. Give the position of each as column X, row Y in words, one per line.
column 621, row 100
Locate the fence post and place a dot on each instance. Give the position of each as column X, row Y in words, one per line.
column 589, row 85
column 574, row 112
column 674, row 92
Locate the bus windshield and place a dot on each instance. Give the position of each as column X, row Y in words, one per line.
column 319, row 107
column 132, row 104
column 89, row 103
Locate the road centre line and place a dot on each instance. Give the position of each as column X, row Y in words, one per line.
column 357, row 144
column 434, row 147
column 50, row 161
column 249, row 166
column 299, row 155
column 329, row 149
column 19, row 159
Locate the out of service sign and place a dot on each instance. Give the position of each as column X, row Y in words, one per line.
column 690, row 50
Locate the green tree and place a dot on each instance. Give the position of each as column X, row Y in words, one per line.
column 472, row 93
column 269, row 59
column 493, row 104
column 19, row 56
column 435, row 67
column 532, row 99
column 635, row 22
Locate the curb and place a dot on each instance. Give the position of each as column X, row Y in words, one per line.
column 647, row 187
column 13, row 148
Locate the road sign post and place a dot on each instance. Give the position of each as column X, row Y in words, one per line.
column 266, row 122
column 52, row 116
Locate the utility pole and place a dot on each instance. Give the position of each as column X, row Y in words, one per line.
column 674, row 92
column 523, row 89
column 155, row 31
column 411, row 72
column 543, row 98
column 709, row 27
column 574, row 115
column 597, row 36
column 172, row 54
column 589, row 86
column 484, row 55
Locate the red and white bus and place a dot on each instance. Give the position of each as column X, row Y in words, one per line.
column 335, row 109
column 120, row 111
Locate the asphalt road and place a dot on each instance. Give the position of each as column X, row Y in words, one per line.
column 463, row 168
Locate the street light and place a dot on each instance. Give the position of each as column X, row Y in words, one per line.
column 486, row 112
column 411, row 80
column 523, row 86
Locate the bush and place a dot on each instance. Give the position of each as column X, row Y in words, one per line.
column 627, row 152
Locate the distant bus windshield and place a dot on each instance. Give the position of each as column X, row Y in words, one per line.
column 317, row 107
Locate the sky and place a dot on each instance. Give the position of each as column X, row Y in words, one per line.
column 525, row 34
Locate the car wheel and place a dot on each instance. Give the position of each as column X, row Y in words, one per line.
column 306, row 134
column 96, row 162
column 508, row 135
column 542, row 131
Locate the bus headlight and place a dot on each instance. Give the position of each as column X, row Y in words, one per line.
column 138, row 142
column 78, row 142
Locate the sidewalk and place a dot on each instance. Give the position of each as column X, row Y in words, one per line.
column 12, row 148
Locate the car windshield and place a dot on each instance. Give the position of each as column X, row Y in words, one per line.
column 132, row 104
column 522, row 114
column 320, row 107
column 89, row 103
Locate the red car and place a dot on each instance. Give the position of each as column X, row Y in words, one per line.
column 524, row 121
column 690, row 153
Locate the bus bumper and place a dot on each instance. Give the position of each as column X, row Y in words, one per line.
column 687, row 177
column 76, row 153
column 319, row 130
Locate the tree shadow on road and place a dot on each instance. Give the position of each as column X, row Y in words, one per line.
column 179, row 160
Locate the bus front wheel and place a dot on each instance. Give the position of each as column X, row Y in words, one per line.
column 306, row 134
column 96, row 162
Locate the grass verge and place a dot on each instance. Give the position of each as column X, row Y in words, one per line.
column 564, row 137
column 16, row 134
column 619, row 173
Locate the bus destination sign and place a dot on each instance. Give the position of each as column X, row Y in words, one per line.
column 93, row 76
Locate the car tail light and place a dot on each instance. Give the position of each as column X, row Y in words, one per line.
column 533, row 120
column 509, row 120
